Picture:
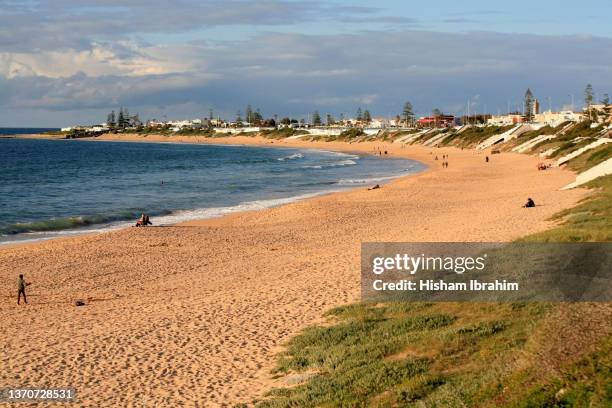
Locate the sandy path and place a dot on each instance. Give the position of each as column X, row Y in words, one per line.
column 196, row 312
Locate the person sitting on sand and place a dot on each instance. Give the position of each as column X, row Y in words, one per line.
column 529, row 203
column 21, row 285
column 143, row 221
column 374, row 188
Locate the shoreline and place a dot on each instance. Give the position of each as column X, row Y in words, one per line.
column 196, row 311
column 227, row 141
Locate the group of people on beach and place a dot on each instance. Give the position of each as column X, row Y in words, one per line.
column 379, row 151
column 444, row 160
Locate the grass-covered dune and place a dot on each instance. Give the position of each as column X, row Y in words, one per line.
column 450, row 355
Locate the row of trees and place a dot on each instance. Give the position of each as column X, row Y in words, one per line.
column 255, row 118
column 122, row 119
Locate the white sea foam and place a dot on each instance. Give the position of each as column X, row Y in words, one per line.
column 349, row 182
column 334, row 164
column 164, row 220
column 291, row 157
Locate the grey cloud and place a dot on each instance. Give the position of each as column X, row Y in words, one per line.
column 62, row 24
column 293, row 73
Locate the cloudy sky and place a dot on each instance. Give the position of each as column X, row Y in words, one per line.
column 71, row 61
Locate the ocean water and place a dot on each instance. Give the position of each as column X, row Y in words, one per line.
column 58, row 188
column 24, row 131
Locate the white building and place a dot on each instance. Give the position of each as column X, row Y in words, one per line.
column 504, row 120
column 379, row 123
column 556, row 118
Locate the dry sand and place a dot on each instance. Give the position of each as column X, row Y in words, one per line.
column 196, row 312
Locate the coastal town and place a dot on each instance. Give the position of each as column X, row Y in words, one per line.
column 556, row 137
column 316, row 124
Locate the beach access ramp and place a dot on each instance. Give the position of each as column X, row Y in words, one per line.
column 412, row 137
column 541, row 138
column 602, row 169
column 437, row 139
column 578, row 152
column 507, row 135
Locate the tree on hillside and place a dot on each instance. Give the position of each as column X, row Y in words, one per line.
column 588, row 99
column 436, row 113
column 121, row 119
column 528, row 106
column 257, row 118
column 359, row 114
column 210, row 114
column 248, row 114
column 110, row 119
column 408, row 113
column 238, row 119
column 329, row 119
column 316, row 118
column 367, row 118
column 605, row 101
column 126, row 118
column 588, row 95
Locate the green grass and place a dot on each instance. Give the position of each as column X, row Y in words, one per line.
column 524, row 137
column 585, row 383
column 350, row 134
column 474, row 135
column 281, row 133
column 591, row 158
column 398, row 354
column 564, row 142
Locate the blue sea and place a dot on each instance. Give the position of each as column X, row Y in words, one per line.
column 24, row 131
column 63, row 187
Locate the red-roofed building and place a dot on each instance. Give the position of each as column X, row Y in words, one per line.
column 436, row 121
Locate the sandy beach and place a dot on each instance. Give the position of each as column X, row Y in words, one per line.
column 197, row 311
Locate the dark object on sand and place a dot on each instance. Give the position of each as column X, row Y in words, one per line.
column 143, row 221
column 487, row 159
column 21, row 286
column 79, row 302
column 495, row 152
column 374, row 188
column 529, row 203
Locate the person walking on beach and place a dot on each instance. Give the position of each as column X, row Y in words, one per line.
column 21, row 285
